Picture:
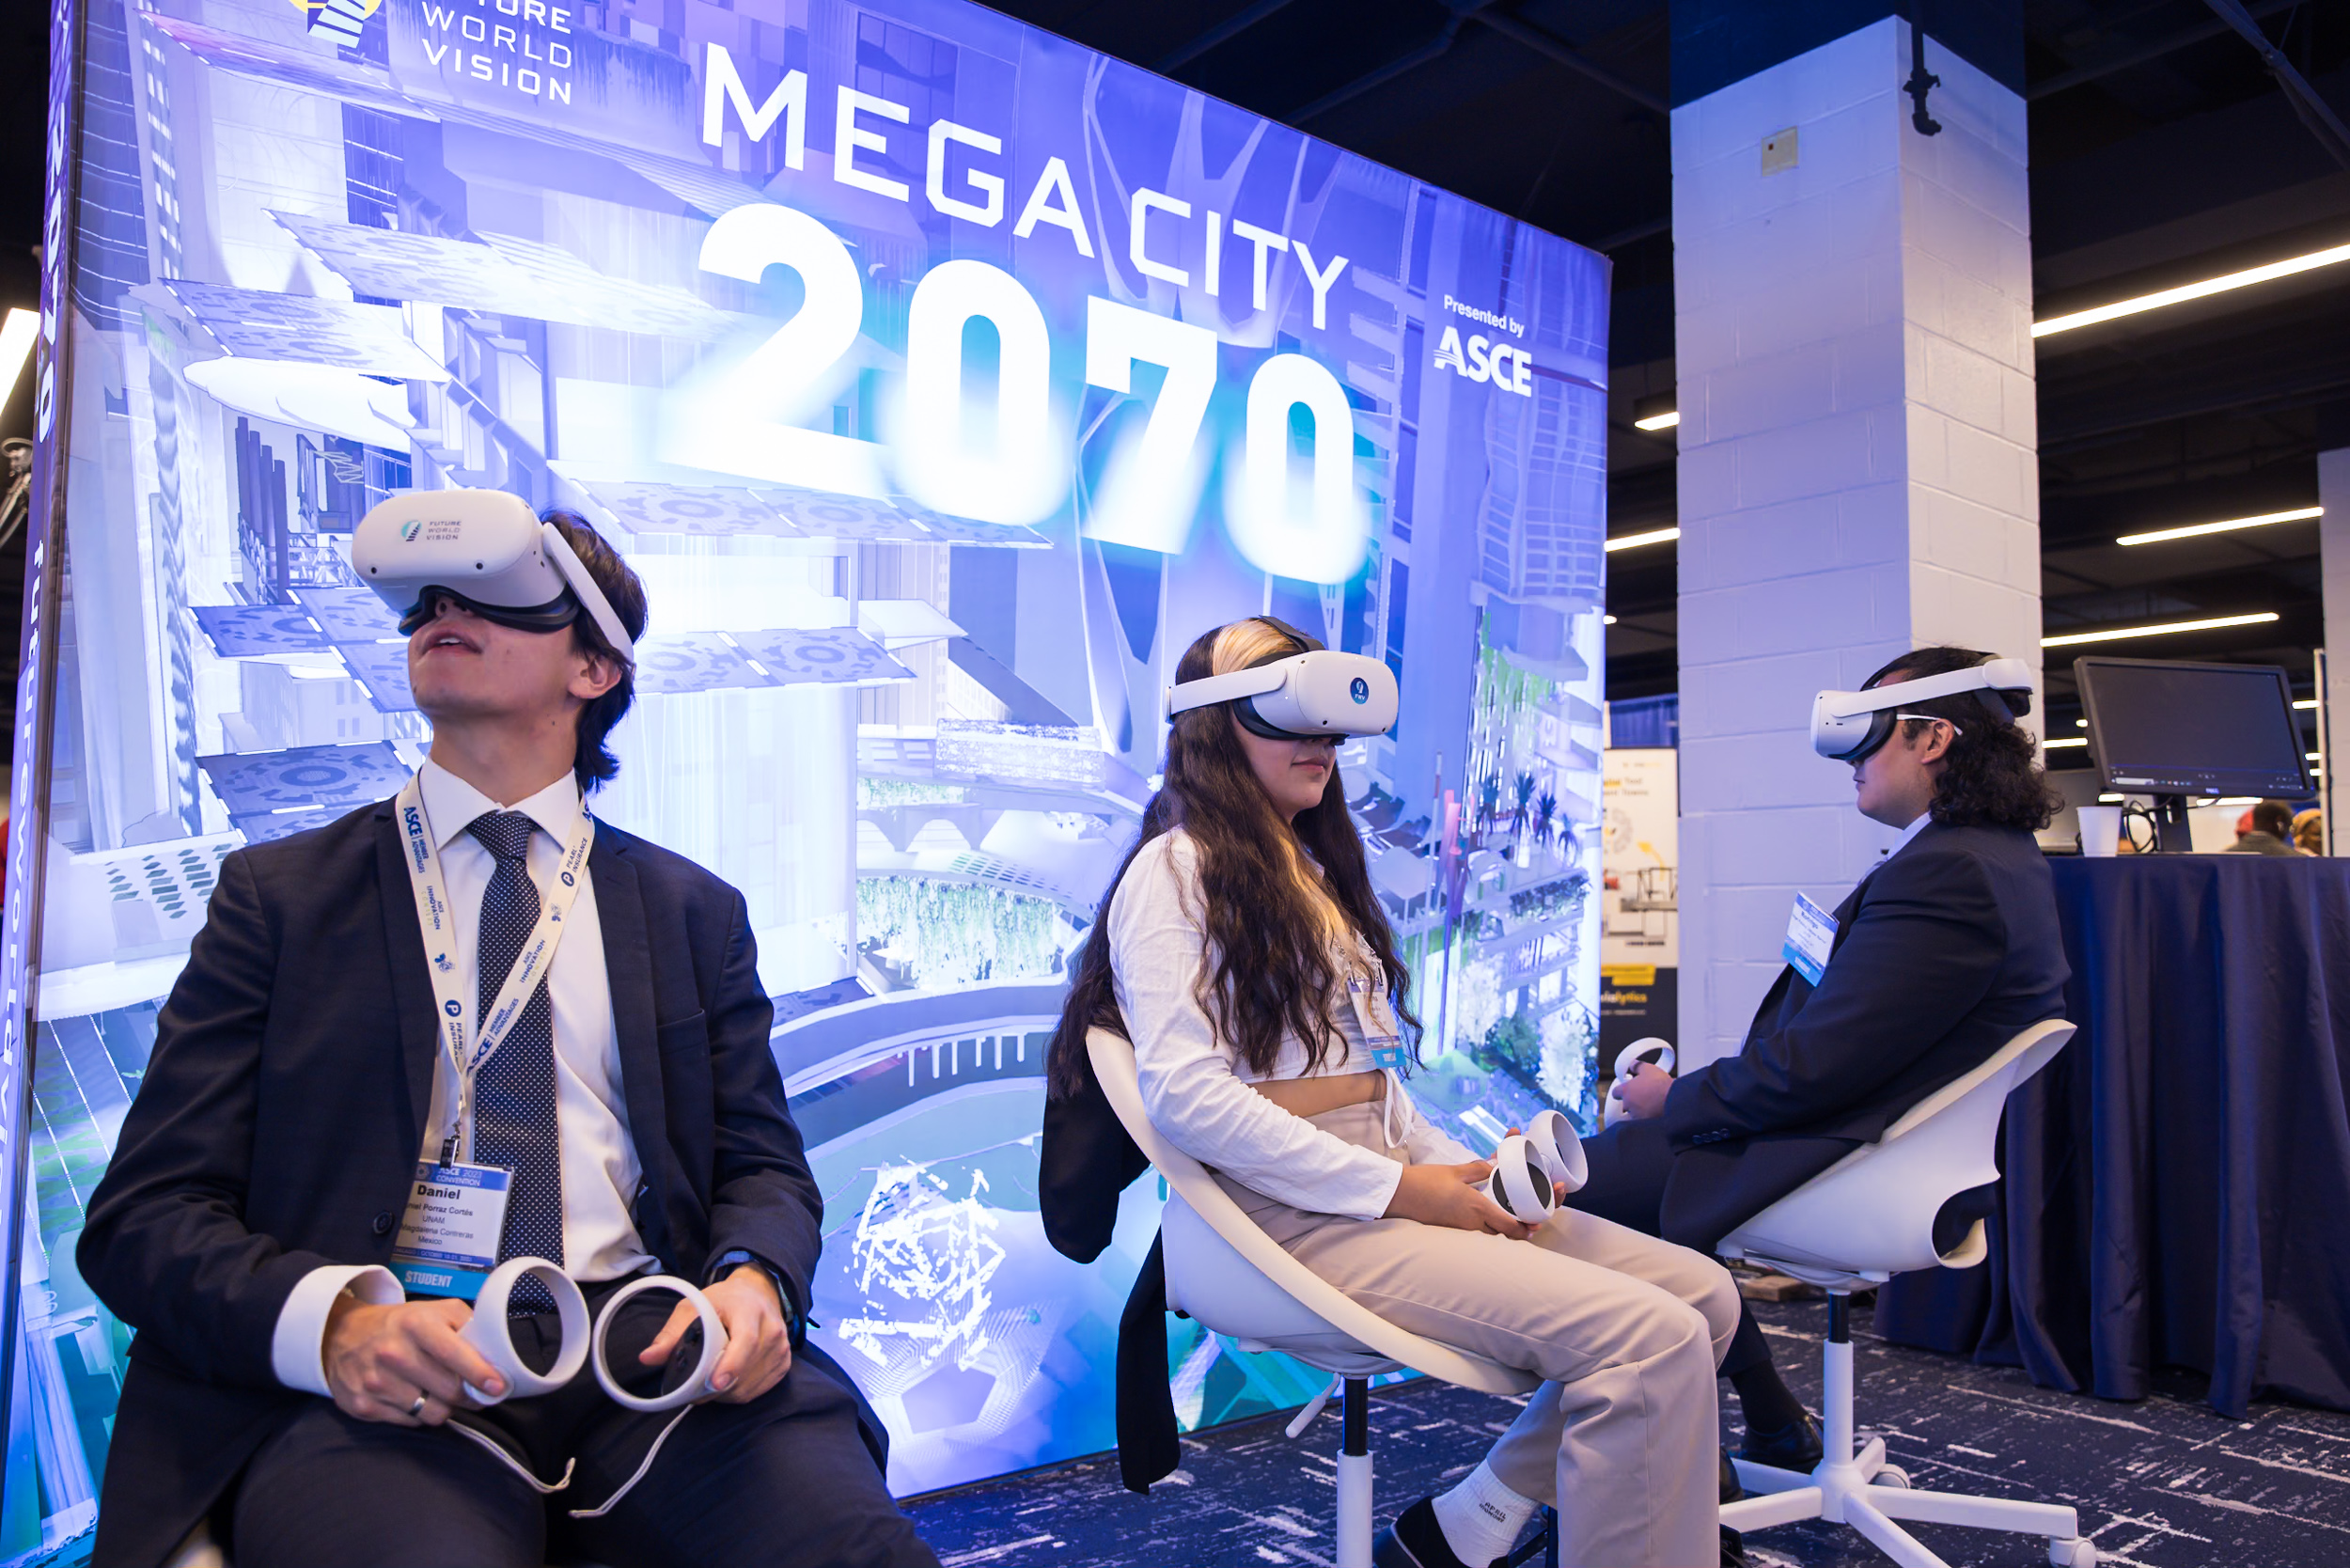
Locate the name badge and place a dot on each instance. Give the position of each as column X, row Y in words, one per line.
column 448, row 1237
column 1380, row 1034
column 1811, row 938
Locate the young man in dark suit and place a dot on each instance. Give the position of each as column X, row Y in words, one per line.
column 284, row 1387
column 1945, row 951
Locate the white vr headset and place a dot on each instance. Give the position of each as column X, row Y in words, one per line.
column 1300, row 696
column 487, row 550
column 1849, row 726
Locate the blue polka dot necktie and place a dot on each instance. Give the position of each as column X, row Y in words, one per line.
column 514, row 1123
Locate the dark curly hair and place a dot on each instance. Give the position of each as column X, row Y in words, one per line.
column 592, row 762
column 1991, row 775
column 1269, row 971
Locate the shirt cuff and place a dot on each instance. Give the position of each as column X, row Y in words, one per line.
column 297, row 1349
column 1383, row 1189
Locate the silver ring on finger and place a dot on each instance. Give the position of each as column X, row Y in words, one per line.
column 418, row 1408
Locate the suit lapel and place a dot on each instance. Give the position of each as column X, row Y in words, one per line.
column 411, row 981
column 628, row 967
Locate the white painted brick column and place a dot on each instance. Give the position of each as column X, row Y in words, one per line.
column 2333, row 547
column 1857, row 469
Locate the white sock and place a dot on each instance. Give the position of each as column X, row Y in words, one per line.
column 1481, row 1517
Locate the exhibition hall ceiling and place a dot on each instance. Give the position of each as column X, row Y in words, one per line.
column 2162, row 153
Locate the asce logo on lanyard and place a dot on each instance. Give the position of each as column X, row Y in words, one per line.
column 456, row 1216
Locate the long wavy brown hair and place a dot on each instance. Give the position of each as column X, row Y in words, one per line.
column 1271, row 968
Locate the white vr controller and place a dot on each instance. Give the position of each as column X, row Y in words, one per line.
column 1652, row 1049
column 488, row 1332
column 1527, row 1166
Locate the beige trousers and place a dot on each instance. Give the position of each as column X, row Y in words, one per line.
column 1624, row 1436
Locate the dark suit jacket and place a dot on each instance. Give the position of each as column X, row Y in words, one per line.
column 1942, row 955
column 277, row 1128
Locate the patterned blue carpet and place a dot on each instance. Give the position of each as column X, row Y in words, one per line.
column 2164, row 1484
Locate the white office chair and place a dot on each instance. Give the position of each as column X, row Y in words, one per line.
column 1233, row 1280
column 1865, row 1219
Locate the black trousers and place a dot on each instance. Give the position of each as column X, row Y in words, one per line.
column 1630, row 1163
column 784, row 1482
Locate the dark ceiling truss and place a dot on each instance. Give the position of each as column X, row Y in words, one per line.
column 2311, row 110
column 2136, row 54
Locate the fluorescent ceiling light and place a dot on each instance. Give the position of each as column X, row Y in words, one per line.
column 2115, row 634
column 1664, row 421
column 1608, row 621
column 2306, row 703
column 2301, row 514
column 1655, row 536
column 2209, row 287
column 2313, row 755
column 16, row 346
column 2069, row 740
column 2080, row 724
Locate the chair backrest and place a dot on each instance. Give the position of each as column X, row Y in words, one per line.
column 1870, row 1215
column 1114, row 1066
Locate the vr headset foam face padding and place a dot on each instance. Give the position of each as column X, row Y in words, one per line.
column 488, row 551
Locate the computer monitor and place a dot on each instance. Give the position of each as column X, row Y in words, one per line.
column 2174, row 730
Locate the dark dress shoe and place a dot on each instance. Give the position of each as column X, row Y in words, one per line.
column 1794, row 1447
column 1733, row 1548
column 1731, row 1491
column 1417, row 1541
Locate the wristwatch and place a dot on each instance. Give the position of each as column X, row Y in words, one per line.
column 794, row 1315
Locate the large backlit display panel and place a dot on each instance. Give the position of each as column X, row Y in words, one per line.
column 942, row 379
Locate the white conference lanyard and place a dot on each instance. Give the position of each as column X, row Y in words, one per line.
column 455, row 1220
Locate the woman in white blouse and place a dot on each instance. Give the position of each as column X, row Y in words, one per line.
column 1242, row 952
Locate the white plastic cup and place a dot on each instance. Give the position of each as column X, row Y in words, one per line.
column 2100, row 830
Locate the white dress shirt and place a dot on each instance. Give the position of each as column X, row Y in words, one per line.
column 1195, row 1086
column 1916, row 827
column 599, row 1160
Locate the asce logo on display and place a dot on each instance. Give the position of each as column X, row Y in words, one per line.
column 1506, row 365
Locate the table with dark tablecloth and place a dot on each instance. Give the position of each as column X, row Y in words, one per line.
column 2177, row 1181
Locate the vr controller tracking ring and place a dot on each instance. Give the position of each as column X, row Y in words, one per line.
column 487, row 1330
column 713, row 1344
column 1523, row 1191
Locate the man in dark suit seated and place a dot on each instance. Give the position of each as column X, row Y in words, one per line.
column 284, row 1387
column 1944, row 953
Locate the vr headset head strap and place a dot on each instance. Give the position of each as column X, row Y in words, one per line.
column 590, row 596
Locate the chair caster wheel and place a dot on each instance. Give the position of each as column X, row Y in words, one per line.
column 2076, row 1553
column 1892, row 1475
